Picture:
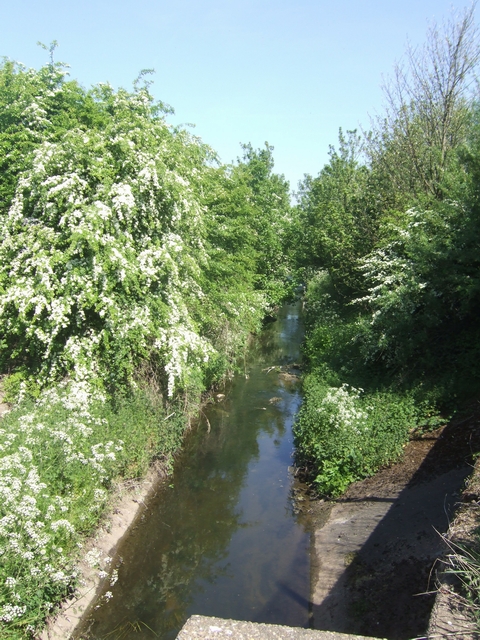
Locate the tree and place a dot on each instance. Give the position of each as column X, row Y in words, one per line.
column 336, row 219
column 428, row 107
column 269, row 198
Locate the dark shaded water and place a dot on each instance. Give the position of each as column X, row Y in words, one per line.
column 223, row 539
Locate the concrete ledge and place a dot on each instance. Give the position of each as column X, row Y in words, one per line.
column 206, row 628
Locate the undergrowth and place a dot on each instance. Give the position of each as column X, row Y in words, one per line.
column 60, row 455
column 353, row 420
column 463, row 561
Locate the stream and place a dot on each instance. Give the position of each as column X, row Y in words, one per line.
column 221, row 537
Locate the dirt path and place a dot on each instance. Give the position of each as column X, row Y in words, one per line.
column 374, row 550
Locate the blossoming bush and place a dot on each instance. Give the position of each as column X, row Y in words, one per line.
column 132, row 269
column 101, row 252
column 59, row 456
column 345, row 434
column 56, row 461
column 122, row 241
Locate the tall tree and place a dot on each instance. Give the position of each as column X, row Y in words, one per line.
column 428, row 103
column 335, row 214
column 271, row 205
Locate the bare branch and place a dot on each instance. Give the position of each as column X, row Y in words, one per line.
column 427, row 103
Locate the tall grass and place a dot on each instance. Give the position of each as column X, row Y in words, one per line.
column 463, row 558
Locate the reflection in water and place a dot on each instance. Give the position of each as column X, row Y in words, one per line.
column 222, row 539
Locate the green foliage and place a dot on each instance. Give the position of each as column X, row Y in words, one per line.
column 390, row 248
column 414, row 145
column 18, row 383
column 37, row 106
column 424, row 294
column 270, row 221
column 345, row 434
column 122, row 241
column 101, row 249
column 336, row 218
column 132, row 269
column 60, row 455
column 332, row 328
column 246, row 222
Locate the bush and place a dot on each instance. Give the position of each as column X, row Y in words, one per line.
column 343, row 434
column 132, row 269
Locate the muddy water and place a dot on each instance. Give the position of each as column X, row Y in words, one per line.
column 222, row 539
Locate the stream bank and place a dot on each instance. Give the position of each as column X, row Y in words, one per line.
column 127, row 507
column 371, row 552
column 221, row 536
column 376, row 556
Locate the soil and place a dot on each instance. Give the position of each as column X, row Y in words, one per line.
column 376, row 550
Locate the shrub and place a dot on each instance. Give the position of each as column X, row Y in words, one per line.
column 59, row 456
column 343, row 434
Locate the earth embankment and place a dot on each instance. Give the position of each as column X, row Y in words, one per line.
column 376, row 550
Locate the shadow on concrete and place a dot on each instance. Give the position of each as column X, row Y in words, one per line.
column 387, row 589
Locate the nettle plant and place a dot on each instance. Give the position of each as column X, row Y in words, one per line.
column 102, row 248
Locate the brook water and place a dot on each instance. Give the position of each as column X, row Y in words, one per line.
column 222, row 538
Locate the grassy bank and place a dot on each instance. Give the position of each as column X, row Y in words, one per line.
column 60, row 457
column 133, row 267
column 387, row 238
column 354, row 418
column 458, row 602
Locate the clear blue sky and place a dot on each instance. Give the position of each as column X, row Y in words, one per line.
column 290, row 73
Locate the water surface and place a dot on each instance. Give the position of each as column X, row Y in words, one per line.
column 221, row 537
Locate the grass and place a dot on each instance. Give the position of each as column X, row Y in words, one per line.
column 463, row 562
column 60, row 455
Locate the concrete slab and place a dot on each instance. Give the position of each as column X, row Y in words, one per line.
column 208, row 628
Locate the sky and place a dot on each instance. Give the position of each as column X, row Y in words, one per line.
column 242, row 71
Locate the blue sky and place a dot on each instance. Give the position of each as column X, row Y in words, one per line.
column 290, row 73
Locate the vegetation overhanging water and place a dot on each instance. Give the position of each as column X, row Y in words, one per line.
column 133, row 266
column 221, row 537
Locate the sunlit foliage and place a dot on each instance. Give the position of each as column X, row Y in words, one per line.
column 393, row 294
column 133, row 267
